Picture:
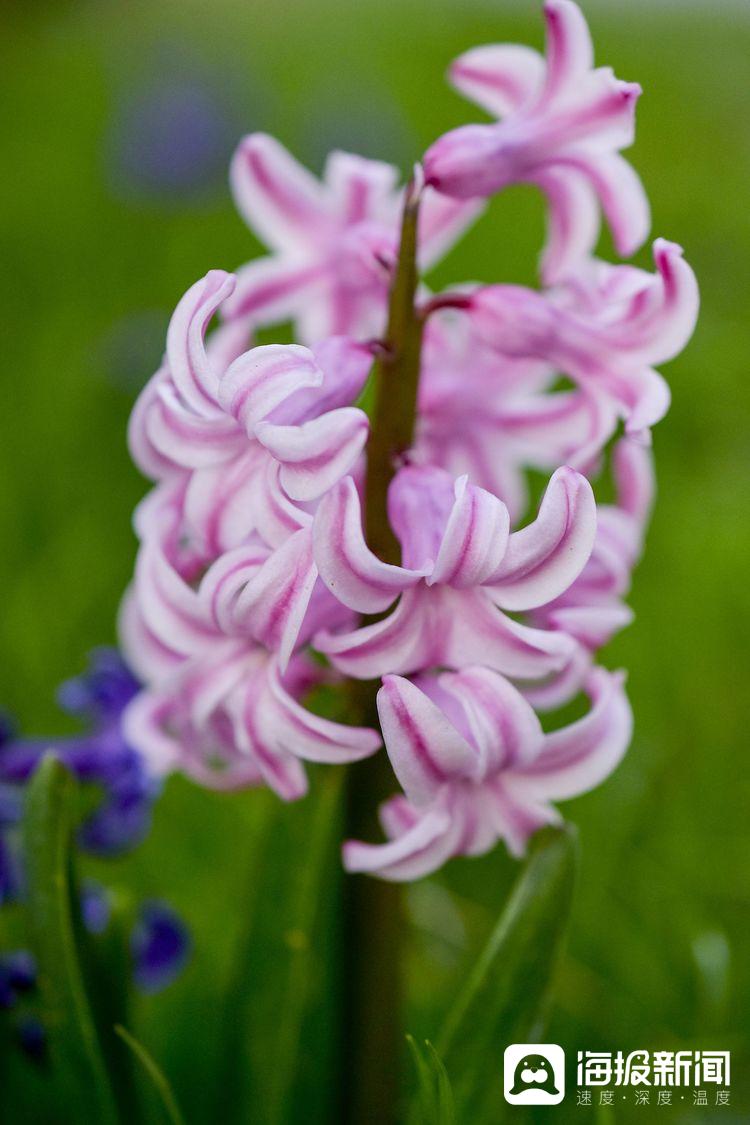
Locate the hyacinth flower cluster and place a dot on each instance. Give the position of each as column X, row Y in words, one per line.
column 101, row 758
column 292, row 539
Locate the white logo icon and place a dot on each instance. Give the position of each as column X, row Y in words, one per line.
column 534, row 1074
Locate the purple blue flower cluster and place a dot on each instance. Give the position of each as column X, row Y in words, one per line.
column 102, row 757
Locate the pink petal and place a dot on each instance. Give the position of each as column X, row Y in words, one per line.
column 353, row 574
column 450, row 628
column 397, row 816
column 564, row 427
column 186, row 439
column 475, row 538
column 275, row 515
column 318, row 453
column 633, row 467
column 420, row 501
column 442, row 221
column 280, row 769
column 278, row 198
column 572, row 221
column 273, row 603
column 398, row 643
column 149, row 460
column 500, row 78
column 474, row 631
column 361, row 189
column 311, row 737
column 621, row 194
column 204, row 684
column 662, row 316
column 226, row 578
column 516, row 820
column 468, row 162
column 564, row 685
column 597, row 116
column 418, row 852
column 143, row 729
column 424, row 748
column 271, row 290
column 346, row 365
column 580, row 756
column 190, row 367
column 646, row 397
column 171, row 610
column 544, row 558
column 151, row 660
column 220, row 502
column 263, row 378
column 569, row 51
column 503, row 725
column 594, row 626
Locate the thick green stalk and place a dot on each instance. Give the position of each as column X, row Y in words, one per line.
column 373, row 913
column 396, row 375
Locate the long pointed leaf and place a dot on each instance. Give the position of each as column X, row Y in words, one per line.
column 79, row 1067
column 506, row 996
column 159, row 1080
column 107, row 973
column 280, row 1011
column 433, row 1103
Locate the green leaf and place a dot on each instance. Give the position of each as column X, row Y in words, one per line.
column 108, row 970
column 79, row 1068
column 155, row 1073
column 433, row 1103
column 506, row 996
column 280, row 1011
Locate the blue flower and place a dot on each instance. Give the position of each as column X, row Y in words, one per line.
column 160, row 946
column 160, row 943
column 17, row 975
column 102, row 757
column 11, row 805
column 95, row 907
column 103, row 691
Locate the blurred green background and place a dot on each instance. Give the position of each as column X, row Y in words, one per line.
column 119, row 120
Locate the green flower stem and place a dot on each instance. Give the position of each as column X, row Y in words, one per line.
column 373, row 911
column 396, row 375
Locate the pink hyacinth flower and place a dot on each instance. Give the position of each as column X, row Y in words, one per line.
column 218, row 655
column 493, row 417
column 197, row 413
column 563, row 126
column 592, row 609
column 183, row 602
column 461, row 568
column 235, row 721
column 605, row 331
column 475, row 766
column 247, row 439
column 334, row 240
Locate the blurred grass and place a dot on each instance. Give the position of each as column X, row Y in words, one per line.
column 93, row 263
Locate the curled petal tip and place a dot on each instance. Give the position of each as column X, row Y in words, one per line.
column 631, row 91
column 216, row 279
column 250, row 140
column 664, row 248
